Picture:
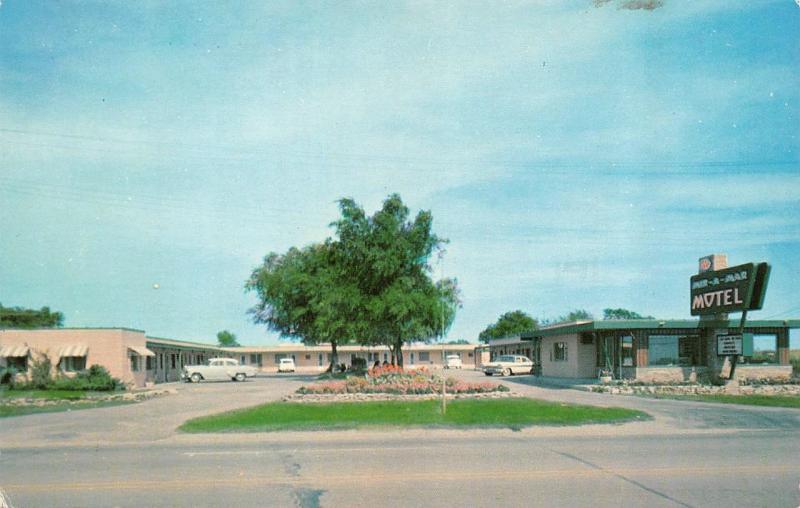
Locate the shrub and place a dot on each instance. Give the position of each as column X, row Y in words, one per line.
column 95, row 378
column 7, row 375
column 41, row 372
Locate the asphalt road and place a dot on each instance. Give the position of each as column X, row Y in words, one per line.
column 690, row 454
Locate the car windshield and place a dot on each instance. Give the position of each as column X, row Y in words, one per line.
column 505, row 359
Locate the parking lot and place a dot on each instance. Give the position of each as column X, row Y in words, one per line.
column 151, row 420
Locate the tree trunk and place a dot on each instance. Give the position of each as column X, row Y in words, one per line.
column 334, row 358
column 398, row 348
column 391, row 350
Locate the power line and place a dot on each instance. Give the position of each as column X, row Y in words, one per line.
column 348, row 159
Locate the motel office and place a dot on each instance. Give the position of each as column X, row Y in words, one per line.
column 139, row 360
column 649, row 350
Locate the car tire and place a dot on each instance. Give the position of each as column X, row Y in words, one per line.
column 487, row 373
column 507, row 372
column 196, row 378
column 241, row 376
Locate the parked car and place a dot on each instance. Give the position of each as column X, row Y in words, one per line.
column 286, row 365
column 452, row 362
column 217, row 369
column 508, row 365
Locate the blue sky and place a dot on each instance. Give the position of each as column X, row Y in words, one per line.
column 575, row 155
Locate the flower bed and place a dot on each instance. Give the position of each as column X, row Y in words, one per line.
column 395, row 381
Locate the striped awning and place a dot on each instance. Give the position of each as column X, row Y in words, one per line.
column 74, row 350
column 12, row 351
column 141, row 351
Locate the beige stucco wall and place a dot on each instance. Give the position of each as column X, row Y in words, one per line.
column 107, row 347
column 312, row 363
column 763, row 372
column 664, row 374
column 553, row 368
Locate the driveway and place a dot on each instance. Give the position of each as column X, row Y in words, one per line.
column 151, row 420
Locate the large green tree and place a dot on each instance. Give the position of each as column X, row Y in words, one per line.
column 19, row 317
column 509, row 324
column 386, row 256
column 371, row 283
column 227, row 339
column 305, row 295
column 618, row 314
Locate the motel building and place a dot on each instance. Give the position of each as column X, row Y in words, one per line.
column 651, row 350
column 140, row 360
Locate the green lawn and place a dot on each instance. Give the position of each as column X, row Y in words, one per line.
column 66, row 396
column 48, row 394
column 510, row 413
column 7, row 410
column 752, row 400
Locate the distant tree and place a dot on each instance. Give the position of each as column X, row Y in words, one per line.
column 19, row 317
column 227, row 339
column 510, row 323
column 457, row 342
column 618, row 314
column 575, row 315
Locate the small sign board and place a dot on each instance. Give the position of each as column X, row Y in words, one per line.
column 729, row 345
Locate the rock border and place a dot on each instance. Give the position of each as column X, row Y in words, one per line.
column 137, row 396
column 317, row 398
column 768, row 390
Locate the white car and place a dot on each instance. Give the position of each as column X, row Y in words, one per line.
column 452, row 362
column 286, row 365
column 508, row 365
column 217, row 369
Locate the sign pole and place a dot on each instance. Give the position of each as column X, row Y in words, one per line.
column 735, row 358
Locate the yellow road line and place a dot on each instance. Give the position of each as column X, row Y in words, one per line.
column 403, row 477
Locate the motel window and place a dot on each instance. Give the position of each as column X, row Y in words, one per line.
column 282, row 355
column 135, row 363
column 385, row 357
column 320, row 359
column 148, row 362
column 469, row 355
column 411, row 359
column 73, row 363
column 18, row 363
column 424, row 356
column 673, row 350
column 560, row 352
column 626, row 342
column 764, row 350
column 173, row 359
column 308, row 357
column 242, row 360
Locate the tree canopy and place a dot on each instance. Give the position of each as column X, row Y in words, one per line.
column 617, row 314
column 509, row 324
column 574, row 315
column 370, row 284
column 19, row 317
column 227, row 339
